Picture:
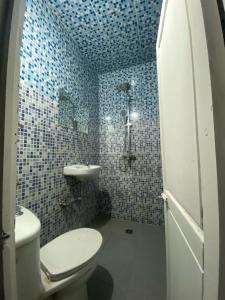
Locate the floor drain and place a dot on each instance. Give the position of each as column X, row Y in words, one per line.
column 129, row 231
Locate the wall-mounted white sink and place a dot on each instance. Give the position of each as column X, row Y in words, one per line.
column 82, row 172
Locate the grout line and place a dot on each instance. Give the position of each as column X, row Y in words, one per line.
column 136, row 2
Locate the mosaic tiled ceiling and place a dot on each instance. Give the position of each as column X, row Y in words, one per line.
column 112, row 34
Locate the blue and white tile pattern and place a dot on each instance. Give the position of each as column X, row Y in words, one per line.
column 68, row 45
column 134, row 194
column 112, row 34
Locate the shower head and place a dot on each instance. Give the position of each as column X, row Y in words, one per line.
column 123, row 87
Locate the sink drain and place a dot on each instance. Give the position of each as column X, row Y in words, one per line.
column 129, row 231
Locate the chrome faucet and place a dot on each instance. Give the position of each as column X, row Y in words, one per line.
column 87, row 163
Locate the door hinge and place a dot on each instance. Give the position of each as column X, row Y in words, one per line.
column 164, row 197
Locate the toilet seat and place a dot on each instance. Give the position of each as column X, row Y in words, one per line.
column 69, row 252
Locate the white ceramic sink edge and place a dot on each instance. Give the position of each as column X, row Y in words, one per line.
column 82, row 171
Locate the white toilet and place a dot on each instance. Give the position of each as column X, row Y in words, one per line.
column 61, row 268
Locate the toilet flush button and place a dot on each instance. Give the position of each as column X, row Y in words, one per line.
column 19, row 211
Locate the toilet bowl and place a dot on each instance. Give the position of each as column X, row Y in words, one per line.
column 61, row 268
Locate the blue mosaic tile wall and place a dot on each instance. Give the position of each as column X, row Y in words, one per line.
column 50, row 61
column 75, row 47
column 112, row 34
column 134, row 194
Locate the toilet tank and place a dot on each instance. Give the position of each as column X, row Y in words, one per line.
column 27, row 239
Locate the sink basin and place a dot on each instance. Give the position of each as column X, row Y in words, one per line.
column 82, row 172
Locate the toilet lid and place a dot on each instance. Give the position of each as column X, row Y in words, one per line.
column 69, row 252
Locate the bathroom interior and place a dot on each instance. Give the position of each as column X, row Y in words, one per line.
column 88, row 151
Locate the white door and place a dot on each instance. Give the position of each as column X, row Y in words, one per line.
column 188, row 151
column 13, row 17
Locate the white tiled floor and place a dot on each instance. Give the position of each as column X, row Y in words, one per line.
column 130, row 266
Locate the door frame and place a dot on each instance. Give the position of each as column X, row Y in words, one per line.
column 6, row 8
column 216, row 51
column 10, row 72
column 213, row 212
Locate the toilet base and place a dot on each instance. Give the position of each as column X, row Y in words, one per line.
column 76, row 290
column 72, row 292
